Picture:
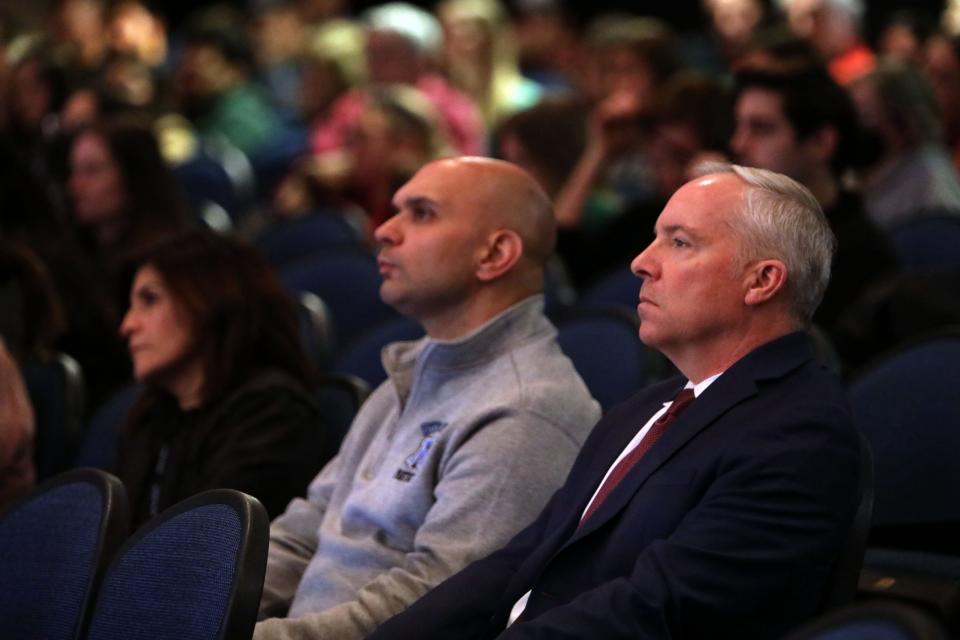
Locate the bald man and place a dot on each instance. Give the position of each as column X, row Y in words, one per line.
column 711, row 505
column 476, row 426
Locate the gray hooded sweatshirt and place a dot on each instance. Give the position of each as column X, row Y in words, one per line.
column 449, row 458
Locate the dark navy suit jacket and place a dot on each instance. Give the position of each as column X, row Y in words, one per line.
column 727, row 527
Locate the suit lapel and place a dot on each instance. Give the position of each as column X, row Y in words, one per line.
column 736, row 385
column 618, row 433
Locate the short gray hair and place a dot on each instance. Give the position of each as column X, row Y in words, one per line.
column 781, row 219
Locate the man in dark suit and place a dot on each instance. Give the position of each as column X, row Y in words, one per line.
column 729, row 523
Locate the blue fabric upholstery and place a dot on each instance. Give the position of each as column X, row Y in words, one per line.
column 607, row 353
column 928, row 242
column 349, row 284
column 203, row 179
column 339, row 398
column 57, row 394
column 100, row 445
column 908, row 408
column 361, row 357
column 866, row 630
column 289, row 241
column 51, row 548
column 873, row 620
column 194, row 572
column 175, row 583
column 619, row 287
column 48, row 555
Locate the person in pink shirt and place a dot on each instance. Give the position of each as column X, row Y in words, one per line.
column 401, row 40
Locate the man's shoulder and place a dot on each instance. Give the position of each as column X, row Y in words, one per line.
column 545, row 381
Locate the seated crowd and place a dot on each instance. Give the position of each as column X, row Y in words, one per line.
column 494, row 163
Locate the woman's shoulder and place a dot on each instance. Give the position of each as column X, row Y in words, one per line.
column 267, row 390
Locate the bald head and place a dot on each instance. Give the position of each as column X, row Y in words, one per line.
column 470, row 238
column 500, row 194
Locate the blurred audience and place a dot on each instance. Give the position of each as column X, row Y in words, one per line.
column 396, row 132
column 279, row 37
column 629, row 60
column 333, row 63
column 731, row 27
column 215, row 341
column 914, row 174
column 215, row 87
column 804, row 125
column 31, row 316
column 529, row 138
column 81, row 33
column 122, row 195
column 834, row 27
column 401, row 47
column 903, row 35
column 548, row 43
column 37, row 88
column 480, row 57
column 138, row 31
column 690, row 122
column 30, row 222
column 941, row 59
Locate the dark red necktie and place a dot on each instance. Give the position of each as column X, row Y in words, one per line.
column 683, row 398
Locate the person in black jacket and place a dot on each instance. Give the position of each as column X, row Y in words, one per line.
column 214, row 338
column 803, row 124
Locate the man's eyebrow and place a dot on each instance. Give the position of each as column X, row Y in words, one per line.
column 674, row 228
column 415, row 201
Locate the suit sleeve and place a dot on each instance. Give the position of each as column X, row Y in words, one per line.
column 493, row 484
column 764, row 530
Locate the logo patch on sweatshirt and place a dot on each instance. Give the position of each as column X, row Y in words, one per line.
column 411, row 463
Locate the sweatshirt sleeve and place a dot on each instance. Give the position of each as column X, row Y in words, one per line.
column 293, row 541
column 490, row 485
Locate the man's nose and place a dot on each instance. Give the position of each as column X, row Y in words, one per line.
column 388, row 233
column 642, row 265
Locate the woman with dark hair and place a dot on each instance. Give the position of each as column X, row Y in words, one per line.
column 122, row 194
column 214, row 338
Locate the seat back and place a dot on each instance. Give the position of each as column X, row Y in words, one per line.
column 316, row 329
column 204, row 180
column 349, row 283
column 928, row 242
column 930, row 580
column 619, row 287
column 54, row 545
column 873, row 621
column 842, row 584
column 907, row 405
column 194, row 572
column 361, row 357
column 101, row 441
column 57, row 393
column 607, row 353
column 289, row 241
column 339, row 397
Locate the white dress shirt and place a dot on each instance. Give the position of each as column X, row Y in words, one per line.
column 698, row 388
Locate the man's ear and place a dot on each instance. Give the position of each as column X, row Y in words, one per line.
column 501, row 252
column 764, row 280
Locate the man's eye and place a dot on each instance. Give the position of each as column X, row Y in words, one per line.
column 420, row 213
